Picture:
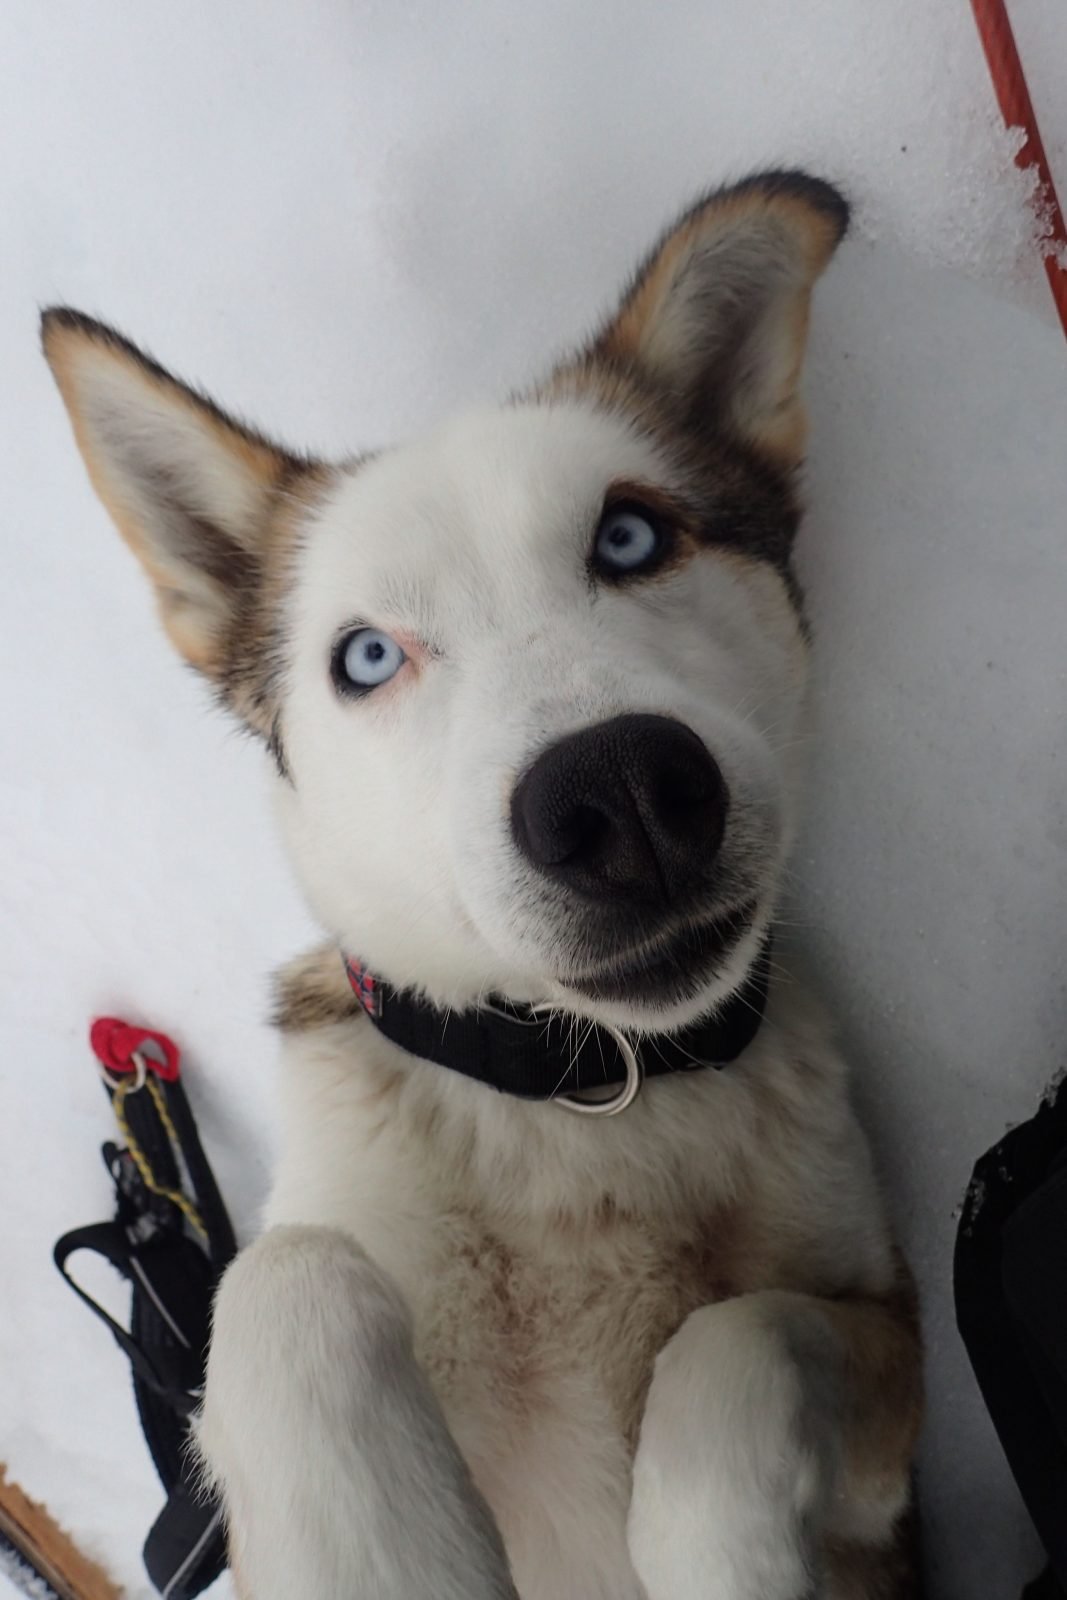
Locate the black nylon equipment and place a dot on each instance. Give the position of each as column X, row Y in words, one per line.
column 538, row 1056
column 1011, row 1307
column 173, row 1276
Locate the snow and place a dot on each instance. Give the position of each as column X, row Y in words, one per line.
column 343, row 220
column 28, row 1583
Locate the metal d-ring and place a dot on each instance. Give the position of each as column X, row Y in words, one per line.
column 617, row 1102
column 140, row 1067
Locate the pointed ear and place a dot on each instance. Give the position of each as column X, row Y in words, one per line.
column 717, row 316
column 189, row 489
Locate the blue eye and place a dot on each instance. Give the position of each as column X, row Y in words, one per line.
column 626, row 541
column 366, row 658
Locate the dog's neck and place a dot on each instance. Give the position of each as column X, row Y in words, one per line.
column 544, row 1055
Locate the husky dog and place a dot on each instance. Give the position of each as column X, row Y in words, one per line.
column 576, row 1282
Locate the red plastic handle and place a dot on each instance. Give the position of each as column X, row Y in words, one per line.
column 115, row 1043
column 1009, row 83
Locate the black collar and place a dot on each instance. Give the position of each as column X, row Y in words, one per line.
column 539, row 1057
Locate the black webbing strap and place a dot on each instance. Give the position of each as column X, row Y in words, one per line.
column 173, row 1273
column 1011, row 1306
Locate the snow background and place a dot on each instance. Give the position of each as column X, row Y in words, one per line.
column 344, row 219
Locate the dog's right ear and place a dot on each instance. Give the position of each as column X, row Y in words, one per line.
column 190, row 490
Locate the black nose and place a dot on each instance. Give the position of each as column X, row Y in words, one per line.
column 632, row 809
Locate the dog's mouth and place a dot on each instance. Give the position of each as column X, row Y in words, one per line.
column 672, row 970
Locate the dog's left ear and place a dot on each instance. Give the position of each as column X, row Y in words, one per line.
column 717, row 317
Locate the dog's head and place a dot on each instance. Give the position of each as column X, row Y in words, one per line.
column 531, row 684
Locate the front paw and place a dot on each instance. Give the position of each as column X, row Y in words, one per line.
column 738, row 1454
column 337, row 1469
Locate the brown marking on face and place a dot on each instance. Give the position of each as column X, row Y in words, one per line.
column 722, row 496
column 691, row 526
column 704, row 354
column 666, row 507
column 776, row 600
column 763, row 567
column 251, row 675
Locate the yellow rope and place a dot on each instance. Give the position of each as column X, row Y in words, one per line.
column 140, row 1160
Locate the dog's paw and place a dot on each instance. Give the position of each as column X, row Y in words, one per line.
column 295, row 1310
column 336, row 1467
column 738, row 1454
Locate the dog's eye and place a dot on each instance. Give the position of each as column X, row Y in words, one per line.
column 626, row 541
column 366, row 658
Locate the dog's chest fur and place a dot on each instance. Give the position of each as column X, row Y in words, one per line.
column 526, row 1328
column 541, row 1358
column 547, row 1259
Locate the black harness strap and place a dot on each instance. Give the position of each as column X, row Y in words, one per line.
column 173, row 1274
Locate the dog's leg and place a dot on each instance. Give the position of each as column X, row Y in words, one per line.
column 338, row 1473
column 775, row 1448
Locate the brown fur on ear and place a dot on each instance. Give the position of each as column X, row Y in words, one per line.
column 716, row 318
column 191, row 491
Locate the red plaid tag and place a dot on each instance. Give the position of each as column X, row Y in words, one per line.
column 364, row 987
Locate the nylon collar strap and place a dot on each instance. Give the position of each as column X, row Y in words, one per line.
column 541, row 1057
